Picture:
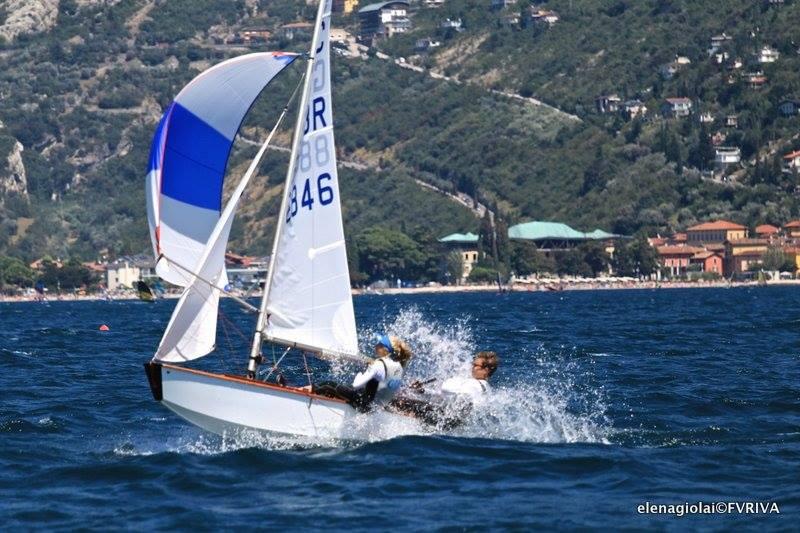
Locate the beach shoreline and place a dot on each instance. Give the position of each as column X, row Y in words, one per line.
column 554, row 286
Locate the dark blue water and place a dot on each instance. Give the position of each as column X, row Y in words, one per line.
column 604, row 400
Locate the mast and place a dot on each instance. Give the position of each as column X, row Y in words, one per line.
column 255, row 350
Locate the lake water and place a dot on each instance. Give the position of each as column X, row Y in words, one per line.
column 604, row 400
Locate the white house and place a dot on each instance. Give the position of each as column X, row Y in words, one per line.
column 791, row 161
column 676, row 107
column 634, row 108
column 448, row 24
column 543, row 15
column 607, row 103
column 768, row 55
column 727, row 156
column 121, row 275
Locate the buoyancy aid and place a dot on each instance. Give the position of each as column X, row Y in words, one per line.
column 393, row 378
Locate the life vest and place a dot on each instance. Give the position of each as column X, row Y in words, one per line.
column 389, row 386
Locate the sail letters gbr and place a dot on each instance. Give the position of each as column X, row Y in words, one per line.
column 314, row 185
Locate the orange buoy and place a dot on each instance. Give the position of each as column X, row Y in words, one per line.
column 104, row 328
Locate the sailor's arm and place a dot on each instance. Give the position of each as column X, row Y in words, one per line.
column 373, row 371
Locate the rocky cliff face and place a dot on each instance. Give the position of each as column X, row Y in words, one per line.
column 14, row 178
column 28, row 16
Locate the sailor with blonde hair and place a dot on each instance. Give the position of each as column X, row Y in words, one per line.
column 380, row 381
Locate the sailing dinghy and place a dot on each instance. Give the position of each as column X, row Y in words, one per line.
column 307, row 304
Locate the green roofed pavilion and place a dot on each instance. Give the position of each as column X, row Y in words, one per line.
column 545, row 231
column 460, row 238
column 601, row 235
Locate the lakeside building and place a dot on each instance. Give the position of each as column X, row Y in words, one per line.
column 552, row 237
column 715, row 232
column 709, row 261
column 677, row 258
column 792, row 229
column 244, row 271
column 383, row 19
column 767, row 231
column 121, row 275
column 743, row 254
column 465, row 244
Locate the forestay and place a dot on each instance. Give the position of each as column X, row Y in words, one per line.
column 308, row 299
column 188, row 157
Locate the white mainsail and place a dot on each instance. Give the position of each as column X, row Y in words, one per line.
column 307, row 300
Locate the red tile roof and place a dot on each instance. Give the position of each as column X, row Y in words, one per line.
column 718, row 225
column 792, row 155
column 748, row 242
column 679, row 237
column 792, row 224
column 767, row 229
column 705, row 255
column 678, row 250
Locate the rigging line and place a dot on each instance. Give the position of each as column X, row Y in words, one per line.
column 233, row 326
column 308, row 372
column 238, row 300
column 275, row 365
column 227, row 338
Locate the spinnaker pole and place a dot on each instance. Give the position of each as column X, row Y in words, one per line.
column 255, row 350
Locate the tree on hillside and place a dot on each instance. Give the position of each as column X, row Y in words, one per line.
column 595, row 256
column 454, row 267
column 526, row 260
column 487, row 241
column 773, row 259
column 15, row 273
column 390, row 254
column 636, row 258
column 72, row 275
column 503, row 244
column 571, row 263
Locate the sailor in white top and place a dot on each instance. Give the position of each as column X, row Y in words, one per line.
column 476, row 387
column 383, row 377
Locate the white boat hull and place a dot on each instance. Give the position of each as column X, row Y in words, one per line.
column 224, row 404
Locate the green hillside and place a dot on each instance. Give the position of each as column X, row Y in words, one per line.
column 83, row 98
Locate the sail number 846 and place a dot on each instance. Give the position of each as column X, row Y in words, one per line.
column 324, row 195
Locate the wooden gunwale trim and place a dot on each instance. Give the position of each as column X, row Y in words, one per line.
column 244, row 381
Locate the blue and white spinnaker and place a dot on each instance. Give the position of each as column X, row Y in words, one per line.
column 188, row 157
